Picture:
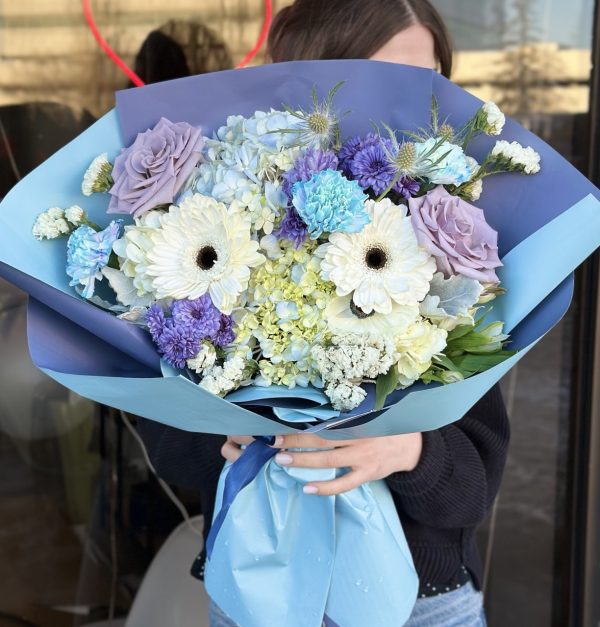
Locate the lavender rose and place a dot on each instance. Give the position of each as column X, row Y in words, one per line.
column 456, row 234
column 154, row 168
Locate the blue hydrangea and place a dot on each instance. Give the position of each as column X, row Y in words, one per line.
column 329, row 202
column 88, row 251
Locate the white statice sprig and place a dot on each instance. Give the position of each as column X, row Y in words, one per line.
column 512, row 157
column 235, row 372
column 56, row 222
column 98, row 176
column 347, row 361
column 51, row 224
column 204, row 360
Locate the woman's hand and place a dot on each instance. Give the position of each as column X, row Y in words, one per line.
column 368, row 459
column 232, row 450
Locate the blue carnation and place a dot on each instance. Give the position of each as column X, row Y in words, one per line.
column 88, row 251
column 329, row 202
column 312, row 161
column 442, row 163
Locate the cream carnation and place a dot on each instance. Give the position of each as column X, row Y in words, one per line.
column 381, row 264
column 417, row 347
column 132, row 250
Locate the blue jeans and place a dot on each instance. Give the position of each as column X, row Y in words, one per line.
column 460, row 608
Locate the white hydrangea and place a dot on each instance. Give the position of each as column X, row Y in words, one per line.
column 223, row 379
column 97, row 177
column 51, row 224
column 416, row 348
column 526, row 160
column 244, row 162
column 204, row 360
column 132, row 250
column 495, row 119
column 75, row 215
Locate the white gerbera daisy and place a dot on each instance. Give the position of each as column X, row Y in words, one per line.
column 343, row 316
column 381, row 264
column 202, row 248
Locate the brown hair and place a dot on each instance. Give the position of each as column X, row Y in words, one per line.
column 352, row 29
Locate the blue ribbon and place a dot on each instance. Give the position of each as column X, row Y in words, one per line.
column 242, row 472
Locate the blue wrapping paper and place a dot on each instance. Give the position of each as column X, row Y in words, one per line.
column 548, row 224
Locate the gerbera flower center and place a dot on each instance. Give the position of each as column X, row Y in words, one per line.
column 358, row 312
column 207, row 257
column 376, row 258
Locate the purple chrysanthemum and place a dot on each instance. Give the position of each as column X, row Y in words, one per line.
column 178, row 342
column 407, row 187
column 371, row 168
column 225, row 334
column 292, row 227
column 155, row 319
column 201, row 313
column 351, row 147
column 312, row 161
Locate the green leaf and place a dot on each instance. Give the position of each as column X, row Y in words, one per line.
column 472, row 364
column 384, row 386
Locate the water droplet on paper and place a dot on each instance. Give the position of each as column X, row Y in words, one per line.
column 358, row 582
column 366, row 589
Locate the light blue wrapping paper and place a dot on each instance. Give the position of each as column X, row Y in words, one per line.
column 304, row 557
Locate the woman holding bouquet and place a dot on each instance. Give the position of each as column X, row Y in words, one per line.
column 443, row 482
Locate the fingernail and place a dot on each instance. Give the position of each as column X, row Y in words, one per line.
column 278, row 443
column 310, row 489
column 283, row 459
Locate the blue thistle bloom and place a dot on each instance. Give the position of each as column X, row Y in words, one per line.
column 329, row 202
column 312, row 161
column 88, row 251
column 292, row 228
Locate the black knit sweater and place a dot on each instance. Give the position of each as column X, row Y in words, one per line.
column 440, row 503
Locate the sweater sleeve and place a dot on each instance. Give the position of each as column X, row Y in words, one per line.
column 460, row 470
column 188, row 460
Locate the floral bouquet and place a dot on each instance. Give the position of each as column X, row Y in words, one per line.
column 256, row 252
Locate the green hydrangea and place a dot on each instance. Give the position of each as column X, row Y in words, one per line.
column 286, row 299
